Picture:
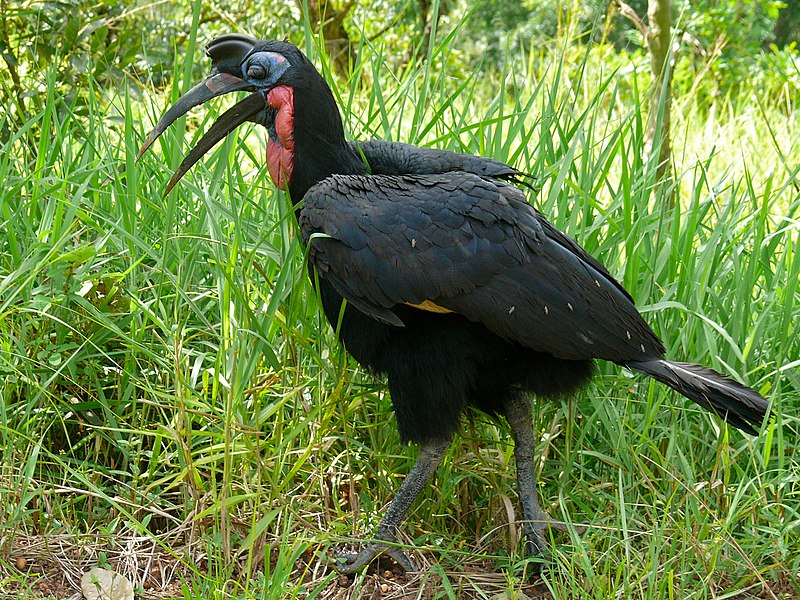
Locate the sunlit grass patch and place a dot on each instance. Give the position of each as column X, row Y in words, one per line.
column 169, row 382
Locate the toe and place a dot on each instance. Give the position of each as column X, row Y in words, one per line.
column 347, row 564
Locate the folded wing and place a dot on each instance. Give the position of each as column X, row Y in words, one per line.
column 463, row 243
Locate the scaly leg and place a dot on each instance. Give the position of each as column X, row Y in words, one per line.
column 518, row 414
column 430, row 455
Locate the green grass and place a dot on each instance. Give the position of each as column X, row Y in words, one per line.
column 169, row 386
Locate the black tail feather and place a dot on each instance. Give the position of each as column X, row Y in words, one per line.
column 737, row 404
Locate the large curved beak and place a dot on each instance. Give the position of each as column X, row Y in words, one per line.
column 216, row 85
column 246, row 110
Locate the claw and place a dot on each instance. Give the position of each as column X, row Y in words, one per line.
column 536, row 540
column 348, row 563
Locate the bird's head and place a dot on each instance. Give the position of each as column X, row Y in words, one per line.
column 288, row 97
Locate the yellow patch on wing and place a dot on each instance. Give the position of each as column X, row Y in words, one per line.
column 430, row 307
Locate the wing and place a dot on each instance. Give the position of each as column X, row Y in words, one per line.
column 456, row 242
column 397, row 158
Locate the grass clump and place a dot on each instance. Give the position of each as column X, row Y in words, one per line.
column 173, row 399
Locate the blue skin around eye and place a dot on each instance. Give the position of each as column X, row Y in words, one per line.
column 273, row 63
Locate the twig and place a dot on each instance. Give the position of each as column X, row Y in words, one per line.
column 630, row 14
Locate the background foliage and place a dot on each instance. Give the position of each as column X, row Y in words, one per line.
column 95, row 45
column 170, row 394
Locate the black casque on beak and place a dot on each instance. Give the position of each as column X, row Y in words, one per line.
column 227, row 53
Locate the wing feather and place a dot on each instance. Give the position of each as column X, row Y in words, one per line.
column 473, row 246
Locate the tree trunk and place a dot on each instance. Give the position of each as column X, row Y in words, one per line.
column 426, row 27
column 658, row 123
column 787, row 25
column 427, row 23
column 658, row 37
column 325, row 17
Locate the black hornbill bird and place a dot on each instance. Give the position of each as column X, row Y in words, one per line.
column 440, row 275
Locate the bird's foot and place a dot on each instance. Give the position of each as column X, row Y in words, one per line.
column 348, row 564
column 536, row 537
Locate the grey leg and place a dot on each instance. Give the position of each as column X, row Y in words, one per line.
column 518, row 414
column 430, row 455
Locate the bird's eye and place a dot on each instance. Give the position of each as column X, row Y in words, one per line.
column 264, row 69
column 256, row 71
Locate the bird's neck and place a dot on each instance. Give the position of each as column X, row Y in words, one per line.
column 307, row 143
column 318, row 159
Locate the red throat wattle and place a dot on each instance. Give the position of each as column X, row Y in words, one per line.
column 280, row 151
